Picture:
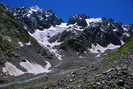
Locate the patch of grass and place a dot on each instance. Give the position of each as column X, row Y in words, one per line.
column 5, row 45
column 131, row 87
column 122, row 52
column 75, row 43
column 128, row 47
column 51, row 83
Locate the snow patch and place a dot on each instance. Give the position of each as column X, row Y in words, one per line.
column 99, row 49
column 12, row 69
column 122, row 42
column 124, row 28
column 63, row 25
column 93, row 20
column 43, row 36
column 21, row 44
column 28, row 44
column 32, row 68
column 35, row 9
column 98, row 55
column 126, row 34
column 35, row 68
column 115, row 30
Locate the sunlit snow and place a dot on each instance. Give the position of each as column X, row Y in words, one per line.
column 43, row 36
column 100, row 49
column 35, row 68
column 21, row 44
column 93, row 20
column 32, row 68
column 12, row 69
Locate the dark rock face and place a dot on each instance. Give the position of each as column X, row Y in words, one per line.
column 117, row 78
column 36, row 18
column 78, row 19
column 103, row 33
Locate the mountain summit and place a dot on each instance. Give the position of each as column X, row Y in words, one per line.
column 37, row 18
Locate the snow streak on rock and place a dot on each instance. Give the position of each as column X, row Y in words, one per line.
column 32, row 68
column 35, row 68
column 12, row 70
column 100, row 49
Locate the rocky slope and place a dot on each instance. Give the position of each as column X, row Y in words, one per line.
column 18, row 49
column 112, row 71
column 38, row 50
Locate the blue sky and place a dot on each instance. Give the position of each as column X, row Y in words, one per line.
column 120, row 10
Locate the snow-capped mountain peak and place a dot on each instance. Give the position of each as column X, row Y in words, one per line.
column 80, row 33
column 93, row 20
column 36, row 18
column 35, row 8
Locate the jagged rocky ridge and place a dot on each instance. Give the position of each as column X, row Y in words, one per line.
column 81, row 33
column 36, row 18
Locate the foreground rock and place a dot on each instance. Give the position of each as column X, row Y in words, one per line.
column 118, row 77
